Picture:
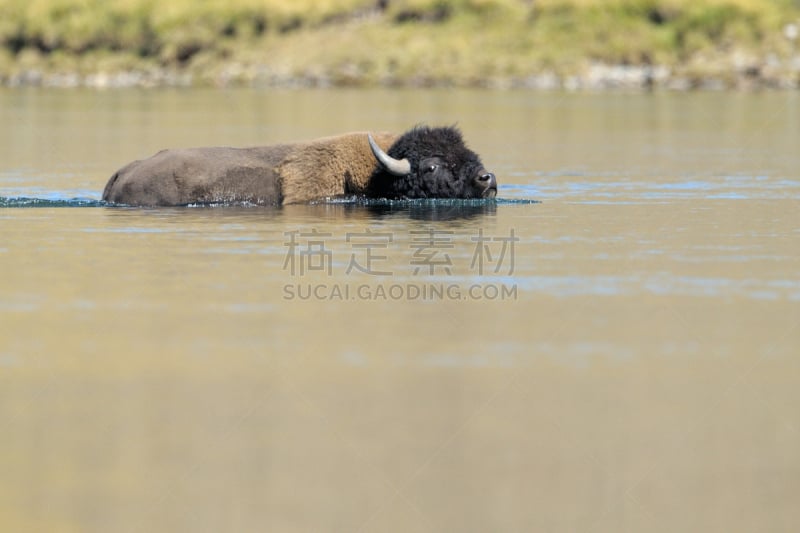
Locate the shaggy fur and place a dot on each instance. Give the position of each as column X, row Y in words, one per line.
column 441, row 167
column 329, row 167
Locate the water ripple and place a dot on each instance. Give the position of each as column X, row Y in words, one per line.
column 575, row 189
column 24, row 201
column 27, row 201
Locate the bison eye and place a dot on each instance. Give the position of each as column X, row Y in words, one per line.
column 432, row 168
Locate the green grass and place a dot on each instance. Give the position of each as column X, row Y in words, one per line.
column 463, row 42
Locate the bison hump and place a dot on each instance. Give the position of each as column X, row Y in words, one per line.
column 333, row 166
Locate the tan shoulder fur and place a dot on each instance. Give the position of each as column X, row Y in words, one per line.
column 331, row 166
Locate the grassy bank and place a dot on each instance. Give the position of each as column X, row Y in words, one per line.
column 398, row 42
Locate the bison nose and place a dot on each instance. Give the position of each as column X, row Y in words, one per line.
column 489, row 180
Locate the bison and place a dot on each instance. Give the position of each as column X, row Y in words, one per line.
column 424, row 162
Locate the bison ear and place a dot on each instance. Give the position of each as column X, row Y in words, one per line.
column 396, row 167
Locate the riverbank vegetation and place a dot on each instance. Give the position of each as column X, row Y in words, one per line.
column 538, row 43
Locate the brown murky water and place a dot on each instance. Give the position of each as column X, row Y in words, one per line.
column 622, row 356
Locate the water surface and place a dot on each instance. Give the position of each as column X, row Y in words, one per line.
column 611, row 346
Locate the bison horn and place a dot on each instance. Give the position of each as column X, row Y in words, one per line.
column 398, row 167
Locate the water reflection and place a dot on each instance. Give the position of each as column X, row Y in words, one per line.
column 434, row 213
column 430, row 211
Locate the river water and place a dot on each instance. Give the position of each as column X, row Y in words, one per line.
column 611, row 346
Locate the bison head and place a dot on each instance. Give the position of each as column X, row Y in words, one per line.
column 430, row 163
